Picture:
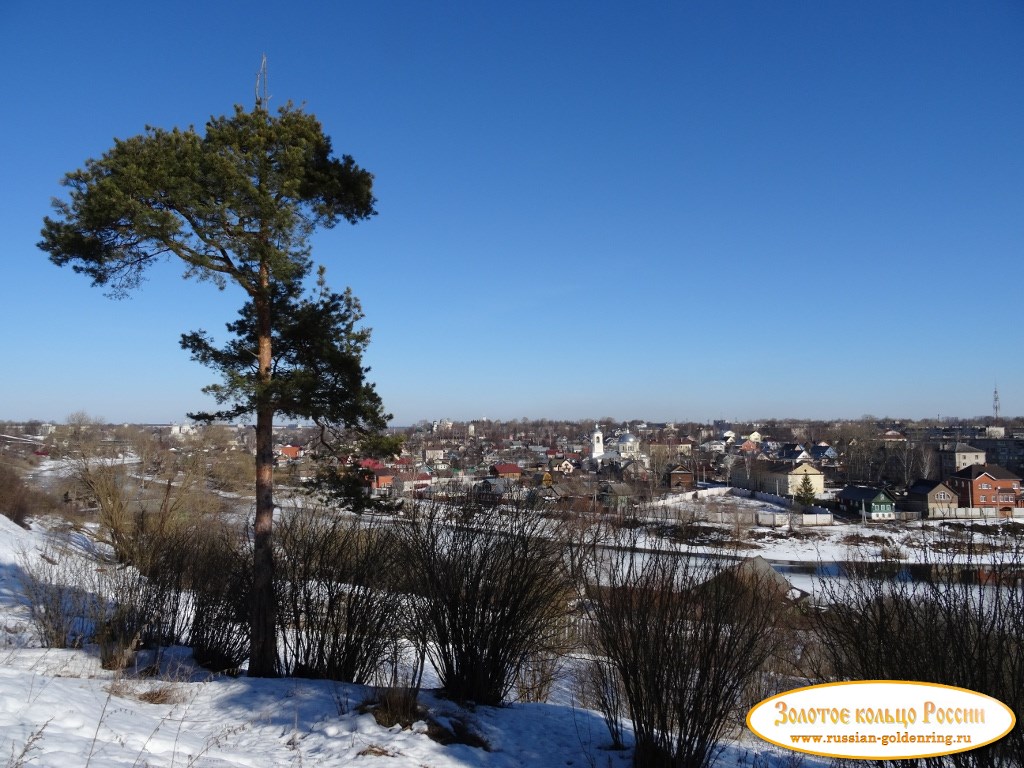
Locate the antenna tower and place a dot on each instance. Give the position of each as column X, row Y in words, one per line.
column 262, row 99
column 995, row 402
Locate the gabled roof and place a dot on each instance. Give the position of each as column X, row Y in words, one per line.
column 935, row 489
column 507, row 469
column 994, row 471
column 794, row 454
column 923, row 487
column 618, row 489
column 757, row 572
column 862, row 493
column 965, row 448
column 788, row 468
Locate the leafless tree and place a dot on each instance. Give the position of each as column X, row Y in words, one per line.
column 138, row 507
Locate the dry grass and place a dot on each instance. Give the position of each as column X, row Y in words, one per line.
column 394, row 706
column 857, row 540
column 458, row 733
column 168, row 693
column 20, row 758
column 399, row 706
column 159, row 693
column 375, row 750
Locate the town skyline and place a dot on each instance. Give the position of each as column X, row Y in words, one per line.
column 604, row 419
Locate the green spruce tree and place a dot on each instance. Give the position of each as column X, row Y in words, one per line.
column 805, row 495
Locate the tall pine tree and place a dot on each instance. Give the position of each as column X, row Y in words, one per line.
column 236, row 203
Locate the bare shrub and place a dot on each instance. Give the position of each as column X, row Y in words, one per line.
column 162, row 539
column 399, row 681
column 536, row 678
column 959, row 622
column 75, row 598
column 598, row 687
column 395, row 706
column 686, row 637
column 121, row 616
column 17, row 500
column 138, row 513
column 220, row 578
column 56, row 588
column 189, row 585
column 189, row 592
column 169, row 567
column 102, row 481
column 338, row 612
column 492, row 587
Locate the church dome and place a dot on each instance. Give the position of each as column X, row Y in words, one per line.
column 626, row 438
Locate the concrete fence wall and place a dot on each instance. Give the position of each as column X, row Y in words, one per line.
column 785, row 512
column 802, row 516
column 973, row 513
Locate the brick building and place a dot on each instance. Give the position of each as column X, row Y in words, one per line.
column 987, row 486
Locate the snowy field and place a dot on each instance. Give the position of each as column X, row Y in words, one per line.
column 60, row 708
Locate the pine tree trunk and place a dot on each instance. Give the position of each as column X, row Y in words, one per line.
column 263, row 629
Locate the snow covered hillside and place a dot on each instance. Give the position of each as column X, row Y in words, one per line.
column 59, row 708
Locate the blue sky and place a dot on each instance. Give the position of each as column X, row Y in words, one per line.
column 660, row 210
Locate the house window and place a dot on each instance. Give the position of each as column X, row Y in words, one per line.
column 983, row 498
column 986, row 486
column 942, row 496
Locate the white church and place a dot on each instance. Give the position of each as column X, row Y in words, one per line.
column 621, row 452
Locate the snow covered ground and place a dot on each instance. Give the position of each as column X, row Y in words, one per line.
column 804, row 553
column 60, row 708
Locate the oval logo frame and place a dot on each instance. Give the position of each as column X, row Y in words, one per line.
column 880, row 719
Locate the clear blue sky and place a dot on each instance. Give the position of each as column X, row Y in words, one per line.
column 661, row 210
